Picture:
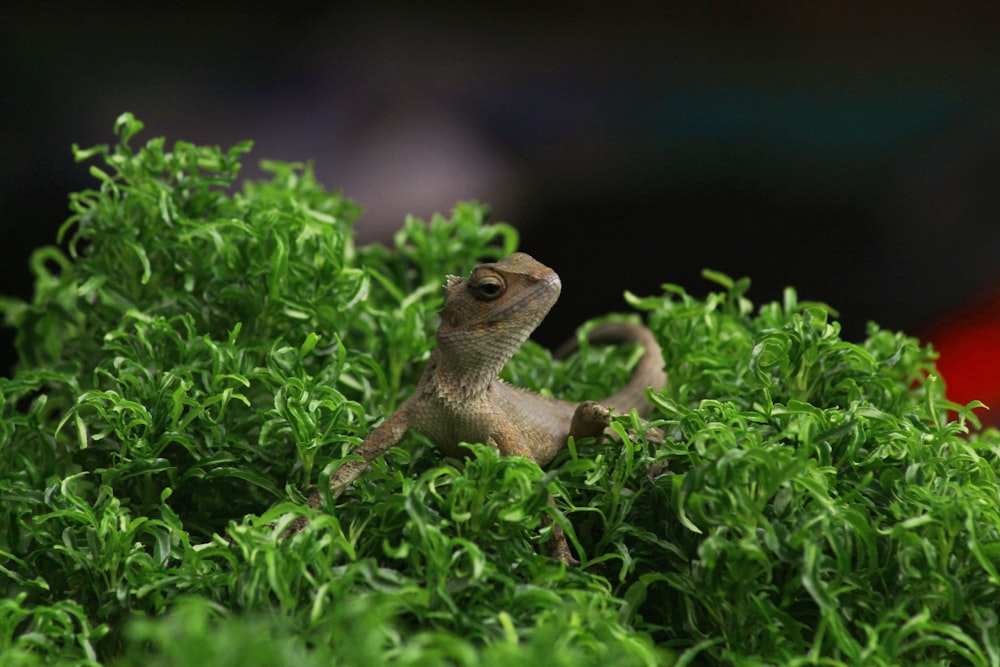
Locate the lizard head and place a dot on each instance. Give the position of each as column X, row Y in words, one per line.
column 487, row 316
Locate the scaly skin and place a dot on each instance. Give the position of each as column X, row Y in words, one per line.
column 485, row 319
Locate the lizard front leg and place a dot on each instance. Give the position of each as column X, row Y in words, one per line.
column 559, row 545
column 379, row 441
column 507, row 442
column 590, row 418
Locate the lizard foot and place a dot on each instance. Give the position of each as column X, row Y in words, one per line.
column 559, row 549
column 589, row 420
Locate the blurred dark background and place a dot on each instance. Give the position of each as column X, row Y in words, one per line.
column 849, row 150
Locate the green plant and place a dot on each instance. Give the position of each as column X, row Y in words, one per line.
column 196, row 355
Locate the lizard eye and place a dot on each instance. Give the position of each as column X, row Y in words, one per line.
column 488, row 288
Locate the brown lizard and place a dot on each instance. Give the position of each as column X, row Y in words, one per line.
column 485, row 319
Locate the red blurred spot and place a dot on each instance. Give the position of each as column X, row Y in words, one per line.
column 968, row 341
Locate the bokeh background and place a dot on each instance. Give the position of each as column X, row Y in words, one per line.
column 846, row 149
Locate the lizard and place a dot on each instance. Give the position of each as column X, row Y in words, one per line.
column 460, row 398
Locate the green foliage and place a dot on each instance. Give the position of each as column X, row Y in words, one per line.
column 198, row 355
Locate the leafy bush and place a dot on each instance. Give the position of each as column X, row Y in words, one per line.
column 198, row 355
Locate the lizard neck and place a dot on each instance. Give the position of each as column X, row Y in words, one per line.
column 464, row 377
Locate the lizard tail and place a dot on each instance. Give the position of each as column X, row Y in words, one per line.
column 648, row 373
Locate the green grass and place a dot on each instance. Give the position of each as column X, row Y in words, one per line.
column 197, row 354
